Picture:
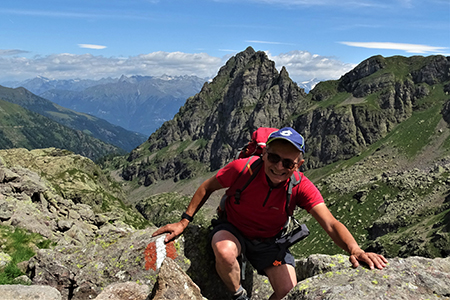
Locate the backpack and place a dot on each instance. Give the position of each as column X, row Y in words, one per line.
column 258, row 142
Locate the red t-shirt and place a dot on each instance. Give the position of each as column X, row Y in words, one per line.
column 261, row 212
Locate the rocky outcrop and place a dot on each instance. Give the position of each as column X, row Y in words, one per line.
column 115, row 255
column 437, row 69
column 60, row 190
column 23, row 292
column 402, row 279
column 173, row 283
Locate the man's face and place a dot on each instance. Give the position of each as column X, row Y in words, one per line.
column 277, row 172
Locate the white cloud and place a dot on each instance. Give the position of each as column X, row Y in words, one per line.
column 90, row 46
column 88, row 66
column 303, row 65
column 6, row 52
column 410, row 48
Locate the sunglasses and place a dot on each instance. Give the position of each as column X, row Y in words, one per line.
column 286, row 162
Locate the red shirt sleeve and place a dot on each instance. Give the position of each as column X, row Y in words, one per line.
column 307, row 195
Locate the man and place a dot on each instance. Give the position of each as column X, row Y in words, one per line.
column 259, row 215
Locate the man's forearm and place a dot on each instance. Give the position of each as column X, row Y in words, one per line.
column 202, row 194
column 343, row 238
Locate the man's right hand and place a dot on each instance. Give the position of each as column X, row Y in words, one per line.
column 174, row 230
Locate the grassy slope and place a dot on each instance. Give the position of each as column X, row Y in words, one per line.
column 21, row 128
column 415, row 143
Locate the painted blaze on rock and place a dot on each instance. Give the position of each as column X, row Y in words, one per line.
column 157, row 251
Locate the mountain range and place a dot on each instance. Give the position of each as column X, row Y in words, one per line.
column 21, row 128
column 136, row 103
column 377, row 147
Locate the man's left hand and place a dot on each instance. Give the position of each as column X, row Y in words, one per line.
column 371, row 259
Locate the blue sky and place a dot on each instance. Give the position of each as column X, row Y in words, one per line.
column 323, row 39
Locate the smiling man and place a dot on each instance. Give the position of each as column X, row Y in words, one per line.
column 256, row 211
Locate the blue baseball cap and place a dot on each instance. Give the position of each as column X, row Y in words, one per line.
column 288, row 134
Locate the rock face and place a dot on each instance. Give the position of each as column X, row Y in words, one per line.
column 116, row 255
column 247, row 93
column 36, row 292
column 173, row 283
column 402, row 279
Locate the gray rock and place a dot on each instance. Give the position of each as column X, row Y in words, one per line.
column 64, row 225
column 118, row 256
column 319, row 264
column 23, row 292
column 24, row 279
column 125, row 291
column 402, row 279
column 6, row 210
column 173, row 283
column 5, row 259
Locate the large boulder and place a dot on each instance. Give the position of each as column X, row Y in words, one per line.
column 173, row 283
column 125, row 291
column 23, row 292
column 402, row 279
column 117, row 254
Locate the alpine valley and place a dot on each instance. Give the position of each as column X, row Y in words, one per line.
column 377, row 146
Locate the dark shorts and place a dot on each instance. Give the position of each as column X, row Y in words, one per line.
column 261, row 254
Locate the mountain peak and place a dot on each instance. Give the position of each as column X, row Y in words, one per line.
column 247, row 93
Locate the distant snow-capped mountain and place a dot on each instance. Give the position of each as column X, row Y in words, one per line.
column 308, row 85
column 40, row 84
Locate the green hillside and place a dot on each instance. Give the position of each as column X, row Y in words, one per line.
column 21, row 128
column 88, row 124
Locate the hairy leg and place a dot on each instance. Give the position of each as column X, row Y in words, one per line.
column 282, row 278
column 226, row 250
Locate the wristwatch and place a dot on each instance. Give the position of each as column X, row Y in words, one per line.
column 187, row 217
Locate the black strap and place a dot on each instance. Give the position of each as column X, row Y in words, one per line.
column 187, row 217
column 293, row 182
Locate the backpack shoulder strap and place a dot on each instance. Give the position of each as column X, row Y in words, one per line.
column 293, row 182
column 253, row 169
